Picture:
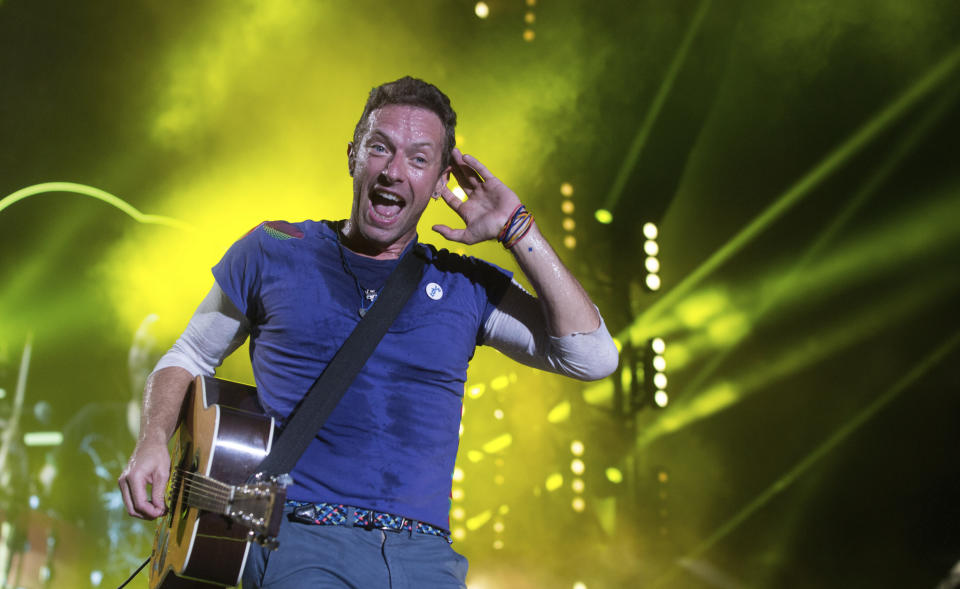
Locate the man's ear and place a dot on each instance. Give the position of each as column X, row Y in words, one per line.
column 442, row 181
column 351, row 158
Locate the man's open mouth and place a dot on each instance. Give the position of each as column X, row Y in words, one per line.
column 386, row 204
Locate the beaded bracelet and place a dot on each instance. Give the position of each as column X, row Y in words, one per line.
column 513, row 230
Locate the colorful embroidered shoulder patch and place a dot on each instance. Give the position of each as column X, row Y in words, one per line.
column 280, row 230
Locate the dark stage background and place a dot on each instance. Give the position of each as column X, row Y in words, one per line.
column 797, row 158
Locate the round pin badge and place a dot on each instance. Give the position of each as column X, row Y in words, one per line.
column 434, row 291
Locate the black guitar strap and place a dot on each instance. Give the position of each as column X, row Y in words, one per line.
column 319, row 402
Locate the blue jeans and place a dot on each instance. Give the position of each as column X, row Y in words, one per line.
column 344, row 556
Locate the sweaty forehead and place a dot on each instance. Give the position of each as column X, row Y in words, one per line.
column 401, row 122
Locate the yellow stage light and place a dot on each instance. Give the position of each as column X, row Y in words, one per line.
column 577, row 466
column 614, row 475
column 576, row 448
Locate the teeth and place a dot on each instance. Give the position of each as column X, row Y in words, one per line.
column 390, row 197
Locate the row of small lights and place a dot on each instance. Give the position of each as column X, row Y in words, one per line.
column 567, row 208
column 482, row 10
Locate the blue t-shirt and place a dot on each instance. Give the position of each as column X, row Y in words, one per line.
column 391, row 442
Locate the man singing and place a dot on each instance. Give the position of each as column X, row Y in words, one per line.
column 382, row 462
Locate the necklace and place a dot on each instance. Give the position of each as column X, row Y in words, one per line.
column 368, row 296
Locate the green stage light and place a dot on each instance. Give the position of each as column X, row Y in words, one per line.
column 603, row 216
column 614, row 475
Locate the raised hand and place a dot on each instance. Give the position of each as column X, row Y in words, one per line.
column 489, row 202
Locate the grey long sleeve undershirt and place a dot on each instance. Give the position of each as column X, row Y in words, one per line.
column 516, row 327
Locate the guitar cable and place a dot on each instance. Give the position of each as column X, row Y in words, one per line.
column 135, row 573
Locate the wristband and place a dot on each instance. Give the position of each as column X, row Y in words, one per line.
column 516, row 228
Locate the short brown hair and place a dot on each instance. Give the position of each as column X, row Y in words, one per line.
column 413, row 92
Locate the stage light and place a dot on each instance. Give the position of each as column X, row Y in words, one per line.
column 661, row 398
column 614, row 475
column 476, row 391
column 497, row 544
column 458, row 533
column 579, row 585
column 456, row 494
column 651, row 264
column 33, row 501
column 478, row 521
column 498, row 414
column 660, row 380
column 475, row 455
column 458, row 474
column 458, row 513
column 498, row 527
column 659, row 363
column 567, row 207
column 652, row 282
column 96, row 577
column 578, row 504
column 566, row 189
column 559, row 413
column 529, row 17
column 498, row 444
column 651, row 248
column 570, row 242
column 577, row 485
column 576, row 448
column 499, row 383
column 42, row 439
column 603, row 216
column 577, row 466
column 481, row 10
column 554, row 482
column 529, row 35
column 504, row 509
column 650, row 231
column 569, row 224
column 654, row 376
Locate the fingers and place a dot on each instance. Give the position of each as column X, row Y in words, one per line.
column 453, row 201
column 466, row 174
column 158, row 488
column 141, row 471
column 479, row 169
column 458, row 235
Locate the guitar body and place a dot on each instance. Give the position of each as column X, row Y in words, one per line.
column 222, row 438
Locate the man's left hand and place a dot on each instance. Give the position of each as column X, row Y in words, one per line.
column 488, row 206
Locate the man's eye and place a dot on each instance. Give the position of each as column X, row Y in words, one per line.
column 378, row 148
column 420, row 160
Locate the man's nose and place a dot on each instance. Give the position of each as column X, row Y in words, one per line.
column 393, row 171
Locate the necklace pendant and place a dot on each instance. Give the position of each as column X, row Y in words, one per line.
column 362, row 311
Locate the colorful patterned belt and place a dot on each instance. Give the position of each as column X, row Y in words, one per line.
column 337, row 514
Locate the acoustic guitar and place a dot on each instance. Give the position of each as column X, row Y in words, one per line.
column 215, row 511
